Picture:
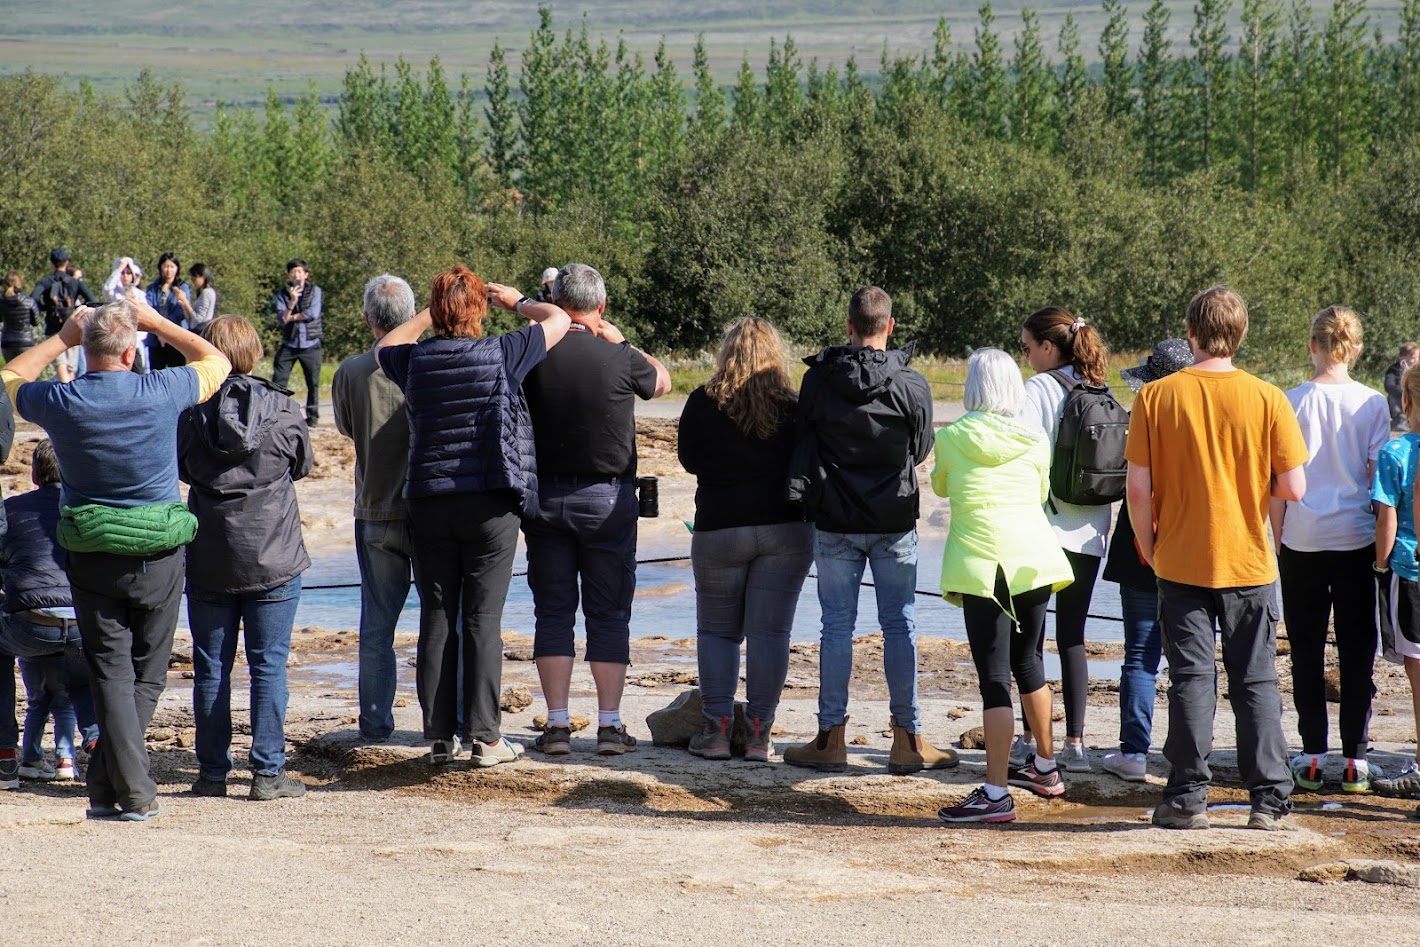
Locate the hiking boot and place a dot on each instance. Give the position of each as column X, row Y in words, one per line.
column 1403, row 785
column 9, row 772
column 1271, row 821
column 1307, row 771
column 276, row 786
column 444, row 751
column 102, row 811
column 979, row 807
column 142, row 813
column 759, row 745
column 825, row 752
column 614, row 741
column 1169, row 816
column 213, row 788
column 1358, row 774
column 554, row 741
column 1073, row 758
column 1130, row 767
column 1022, row 751
column 912, row 754
column 504, row 751
column 1042, row 784
column 713, row 741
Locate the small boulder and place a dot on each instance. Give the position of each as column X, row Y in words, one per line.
column 1331, row 681
column 859, row 740
column 515, row 699
column 1323, row 874
column 678, row 721
column 956, row 713
column 1382, row 872
column 518, row 655
column 973, row 739
column 577, row 721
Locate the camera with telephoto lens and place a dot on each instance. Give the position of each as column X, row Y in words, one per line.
column 648, row 496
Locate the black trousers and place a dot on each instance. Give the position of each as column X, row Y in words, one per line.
column 128, row 609
column 309, row 359
column 1003, row 648
column 1072, row 605
column 465, row 544
column 1342, row 587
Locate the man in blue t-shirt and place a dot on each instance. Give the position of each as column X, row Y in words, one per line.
column 115, row 434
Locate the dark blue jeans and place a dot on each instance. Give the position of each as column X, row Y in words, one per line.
column 265, row 621
column 56, row 680
column 583, row 529
column 386, row 556
column 1142, row 651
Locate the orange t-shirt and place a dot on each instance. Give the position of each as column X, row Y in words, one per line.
column 1212, row 441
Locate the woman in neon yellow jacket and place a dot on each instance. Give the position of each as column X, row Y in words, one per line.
column 1001, row 565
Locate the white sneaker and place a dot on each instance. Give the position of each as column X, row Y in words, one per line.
column 1127, row 766
column 444, row 751
column 504, row 751
column 39, row 769
column 66, row 770
column 1022, row 751
column 1073, row 758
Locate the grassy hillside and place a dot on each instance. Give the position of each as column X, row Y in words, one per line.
column 233, row 52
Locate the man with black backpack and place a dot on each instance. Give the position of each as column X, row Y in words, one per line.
column 57, row 295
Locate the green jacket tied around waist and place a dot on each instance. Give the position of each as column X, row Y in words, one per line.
column 138, row 531
column 997, row 474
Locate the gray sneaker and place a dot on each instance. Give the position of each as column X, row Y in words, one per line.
column 1073, row 758
column 444, row 751
column 275, row 786
column 1131, row 767
column 1271, row 821
column 713, row 741
column 1168, row 816
column 503, row 751
column 9, row 773
column 614, row 741
column 1022, row 751
column 554, row 741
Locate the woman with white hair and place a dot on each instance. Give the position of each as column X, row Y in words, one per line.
column 1002, row 563
column 127, row 276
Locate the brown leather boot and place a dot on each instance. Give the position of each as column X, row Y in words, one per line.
column 912, row 754
column 825, row 753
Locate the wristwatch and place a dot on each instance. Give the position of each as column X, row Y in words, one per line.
column 518, row 306
column 1379, row 569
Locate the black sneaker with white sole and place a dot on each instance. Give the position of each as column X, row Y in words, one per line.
column 979, row 807
column 1042, row 784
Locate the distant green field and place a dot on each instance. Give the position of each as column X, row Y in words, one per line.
column 234, row 51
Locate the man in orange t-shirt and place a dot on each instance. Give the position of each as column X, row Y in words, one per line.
column 1208, row 446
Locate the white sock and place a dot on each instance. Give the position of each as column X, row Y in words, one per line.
column 609, row 718
column 1043, row 765
column 996, row 793
column 558, row 717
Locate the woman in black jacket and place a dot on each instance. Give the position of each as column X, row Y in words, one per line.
column 19, row 314
column 242, row 451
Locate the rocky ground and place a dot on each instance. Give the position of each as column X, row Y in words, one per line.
column 660, row 847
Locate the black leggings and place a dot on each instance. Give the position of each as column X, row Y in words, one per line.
column 1340, row 586
column 998, row 649
column 1072, row 604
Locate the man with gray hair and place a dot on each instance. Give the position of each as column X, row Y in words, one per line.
column 121, row 519
column 369, row 409
column 582, row 401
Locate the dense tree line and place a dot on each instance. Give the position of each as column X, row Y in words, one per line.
column 1276, row 152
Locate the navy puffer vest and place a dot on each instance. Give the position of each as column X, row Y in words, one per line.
column 469, row 431
column 32, row 562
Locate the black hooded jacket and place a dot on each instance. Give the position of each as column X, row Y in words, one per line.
column 865, row 423
column 241, row 452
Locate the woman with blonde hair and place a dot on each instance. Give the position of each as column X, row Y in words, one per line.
column 1000, row 565
column 1326, row 547
column 751, row 549
column 1065, row 351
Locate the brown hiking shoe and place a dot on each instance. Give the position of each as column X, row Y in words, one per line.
column 912, row 754
column 825, row 753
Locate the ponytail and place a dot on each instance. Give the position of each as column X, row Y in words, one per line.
column 1080, row 344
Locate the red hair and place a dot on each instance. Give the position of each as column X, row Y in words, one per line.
column 458, row 302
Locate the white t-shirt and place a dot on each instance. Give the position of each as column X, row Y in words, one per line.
column 1345, row 427
column 1082, row 529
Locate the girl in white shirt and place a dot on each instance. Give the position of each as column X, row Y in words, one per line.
column 1056, row 340
column 1326, row 548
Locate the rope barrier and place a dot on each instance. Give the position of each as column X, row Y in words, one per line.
column 664, row 559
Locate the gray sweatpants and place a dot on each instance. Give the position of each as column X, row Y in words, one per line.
column 1247, row 620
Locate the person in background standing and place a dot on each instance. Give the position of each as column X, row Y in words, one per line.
column 57, row 294
column 19, row 315
column 1409, row 355
column 298, row 310
column 169, row 298
column 369, row 409
column 126, row 277
column 544, row 292
column 202, row 309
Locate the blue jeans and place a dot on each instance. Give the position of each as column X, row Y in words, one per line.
column 56, row 681
column 386, row 556
column 1142, row 650
column 840, row 559
column 265, row 620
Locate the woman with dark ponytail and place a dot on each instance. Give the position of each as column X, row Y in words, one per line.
column 1064, row 350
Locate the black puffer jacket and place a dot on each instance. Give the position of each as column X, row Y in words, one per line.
column 32, row 563
column 865, row 423
column 241, row 451
column 18, row 315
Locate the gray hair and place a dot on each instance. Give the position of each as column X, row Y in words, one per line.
column 389, row 302
column 579, row 288
column 111, row 330
column 993, row 383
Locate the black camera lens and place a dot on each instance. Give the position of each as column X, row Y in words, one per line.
column 648, row 492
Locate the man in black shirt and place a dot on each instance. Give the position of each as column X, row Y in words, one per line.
column 582, row 404
column 57, row 295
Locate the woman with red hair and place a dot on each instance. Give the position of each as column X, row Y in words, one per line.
column 472, row 474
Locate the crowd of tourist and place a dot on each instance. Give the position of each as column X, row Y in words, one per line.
column 465, row 440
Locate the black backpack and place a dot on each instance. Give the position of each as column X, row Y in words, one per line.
column 1087, row 467
column 59, row 300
